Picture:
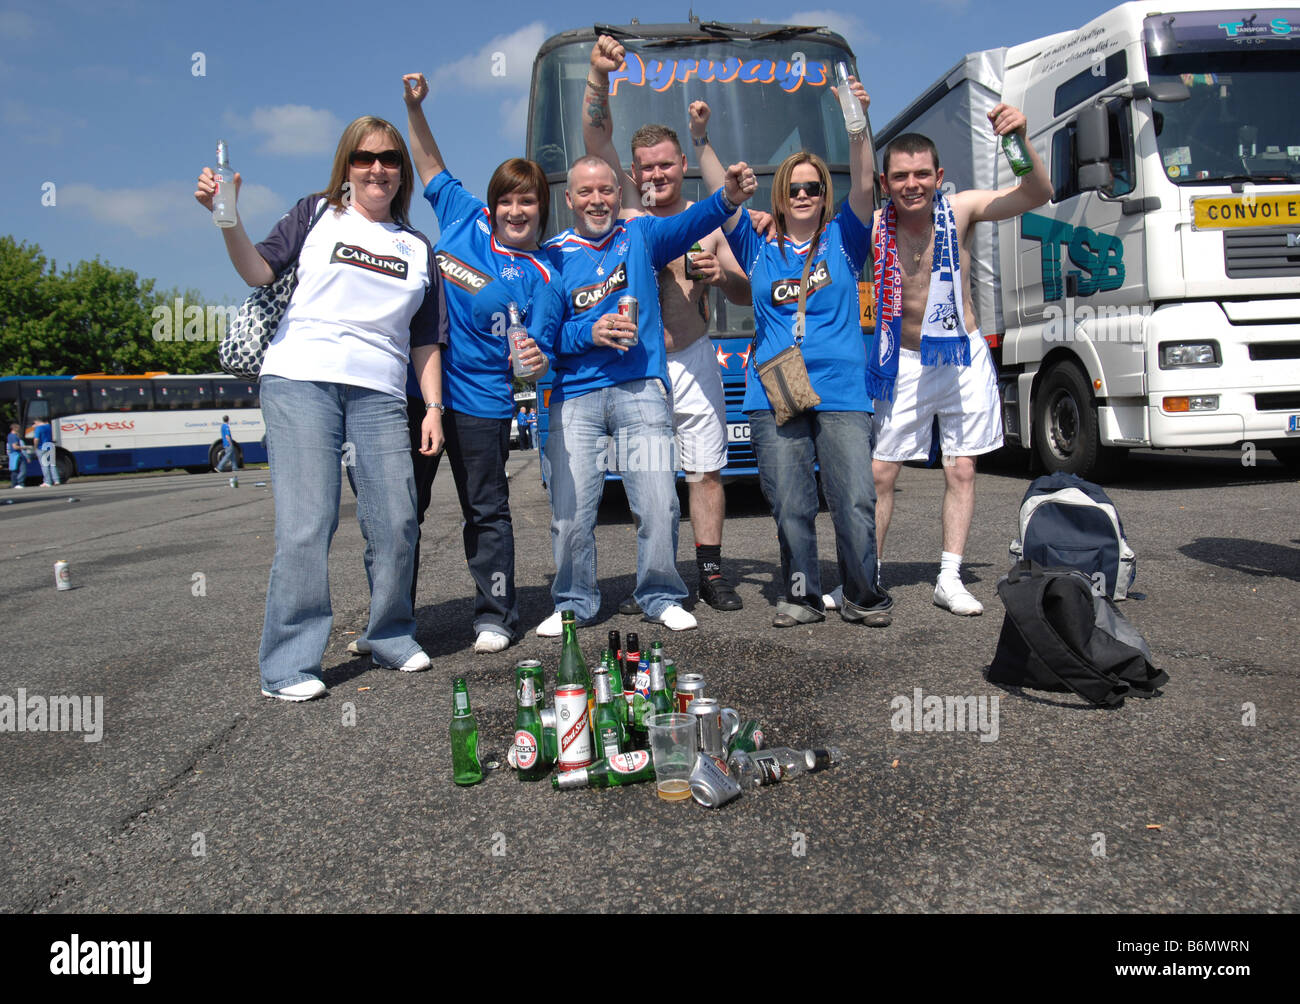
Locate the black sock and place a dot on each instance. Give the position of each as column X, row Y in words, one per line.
column 708, row 559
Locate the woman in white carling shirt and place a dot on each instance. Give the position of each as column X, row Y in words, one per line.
column 368, row 299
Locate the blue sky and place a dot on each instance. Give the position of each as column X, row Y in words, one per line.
column 101, row 99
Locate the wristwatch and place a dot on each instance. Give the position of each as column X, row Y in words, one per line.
column 435, row 404
column 702, row 141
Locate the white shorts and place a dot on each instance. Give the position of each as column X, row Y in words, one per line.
column 965, row 398
column 699, row 408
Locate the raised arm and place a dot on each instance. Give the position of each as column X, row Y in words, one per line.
column 597, row 124
column 250, row 265
column 711, row 169
column 1035, row 188
column 862, row 159
column 424, row 150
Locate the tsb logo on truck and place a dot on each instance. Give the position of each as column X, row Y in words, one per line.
column 1099, row 257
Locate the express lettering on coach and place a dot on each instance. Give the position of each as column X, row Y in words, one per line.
column 350, row 254
column 787, row 290
column 589, row 296
column 459, row 274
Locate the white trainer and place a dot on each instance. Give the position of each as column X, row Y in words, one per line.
column 304, row 691
column 490, row 641
column 957, row 599
column 551, row 627
column 834, row 599
column 359, row 647
column 674, row 618
column 416, row 663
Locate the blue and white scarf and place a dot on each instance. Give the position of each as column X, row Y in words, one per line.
column 944, row 339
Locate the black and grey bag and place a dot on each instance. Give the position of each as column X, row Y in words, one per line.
column 1060, row 635
column 243, row 347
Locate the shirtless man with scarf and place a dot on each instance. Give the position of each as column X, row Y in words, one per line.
column 930, row 357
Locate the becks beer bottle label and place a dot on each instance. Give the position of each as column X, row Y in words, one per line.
column 629, row 763
column 527, row 748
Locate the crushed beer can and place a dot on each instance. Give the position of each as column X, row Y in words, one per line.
column 712, row 783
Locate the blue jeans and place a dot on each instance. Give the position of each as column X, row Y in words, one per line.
column 841, row 443
column 49, row 465
column 628, row 428
column 308, row 426
column 228, row 457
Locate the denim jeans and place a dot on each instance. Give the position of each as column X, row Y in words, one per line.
column 477, row 449
column 308, row 425
column 49, row 465
column 628, row 428
column 840, row 442
column 228, row 457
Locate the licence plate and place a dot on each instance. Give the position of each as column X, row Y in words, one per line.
column 738, row 432
column 1293, row 424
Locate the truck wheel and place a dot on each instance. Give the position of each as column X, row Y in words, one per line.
column 1066, row 437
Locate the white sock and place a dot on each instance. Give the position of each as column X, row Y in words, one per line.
column 950, row 568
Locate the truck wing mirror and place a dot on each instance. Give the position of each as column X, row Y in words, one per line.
column 1092, row 143
column 1164, row 90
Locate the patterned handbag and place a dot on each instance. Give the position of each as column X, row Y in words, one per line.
column 243, row 347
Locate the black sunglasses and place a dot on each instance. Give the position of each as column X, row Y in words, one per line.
column 813, row 188
column 364, row 158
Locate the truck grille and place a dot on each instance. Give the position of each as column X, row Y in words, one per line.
column 1283, row 401
column 1265, row 351
column 1261, row 253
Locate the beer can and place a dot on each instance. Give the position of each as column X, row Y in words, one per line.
column 549, row 750
column 712, row 783
column 234, row 482
column 62, row 577
column 572, row 727
column 627, row 306
column 712, row 734
column 689, row 687
column 530, row 671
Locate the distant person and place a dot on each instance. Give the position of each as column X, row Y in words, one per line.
column 228, row 444
column 17, row 462
column 488, row 252
column 532, row 428
column 43, row 436
column 333, row 388
column 930, row 359
column 521, row 428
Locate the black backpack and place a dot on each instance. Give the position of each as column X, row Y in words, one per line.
column 1058, row 635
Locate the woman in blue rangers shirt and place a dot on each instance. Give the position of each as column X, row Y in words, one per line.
column 333, row 386
column 837, row 434
column 488, row 261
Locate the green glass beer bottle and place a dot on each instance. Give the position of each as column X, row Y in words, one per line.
column 464, row 737
column 625, row 768
column 529, row 755
column 608, row 732
column 1013, row 145
column 661, row 698
column 573, row 667
column 748, row 738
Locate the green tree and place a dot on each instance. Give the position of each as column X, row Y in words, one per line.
column 92, row 317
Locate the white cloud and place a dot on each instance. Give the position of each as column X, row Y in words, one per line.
column 514, row 121
column 160, row 208
column 506, row 61
column 855, row 32
column 16, row 24
column 291, row 129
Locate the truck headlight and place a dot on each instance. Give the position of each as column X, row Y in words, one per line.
column 1203, row 402
column 1179, row 355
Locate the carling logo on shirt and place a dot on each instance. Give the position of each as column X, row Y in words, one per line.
column 589, row 296
column 787, row 290
column 350, row 254
column 459, row 274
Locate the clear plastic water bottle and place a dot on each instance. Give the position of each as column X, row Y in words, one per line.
column 223, row 200
column 516, row 335
column 854, row 120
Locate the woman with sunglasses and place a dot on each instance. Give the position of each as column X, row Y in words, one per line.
column 333, row 387
column 819, row 253
column 487, row 251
